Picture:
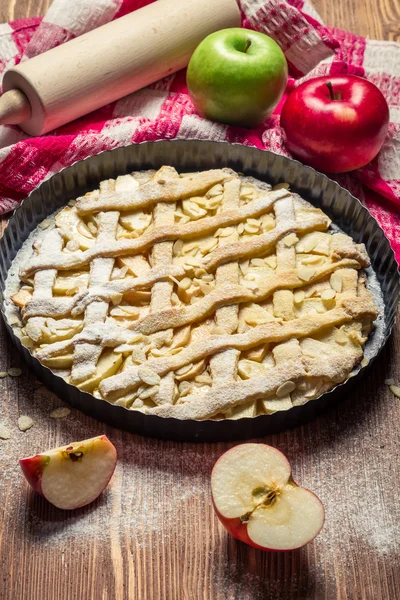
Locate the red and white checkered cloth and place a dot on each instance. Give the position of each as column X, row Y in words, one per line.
column 164, row 109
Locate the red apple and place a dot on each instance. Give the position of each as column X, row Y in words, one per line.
column 74, row 475
column 335, row 124
column 258, row 502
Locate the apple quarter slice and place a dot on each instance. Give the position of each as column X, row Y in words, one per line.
column 258, row 502
column 74, row 475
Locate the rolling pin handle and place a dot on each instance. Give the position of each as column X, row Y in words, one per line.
column 14, row 108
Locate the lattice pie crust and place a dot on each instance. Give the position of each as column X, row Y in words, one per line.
column 195, row 296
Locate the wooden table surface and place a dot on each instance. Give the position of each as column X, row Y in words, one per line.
column 153, row 534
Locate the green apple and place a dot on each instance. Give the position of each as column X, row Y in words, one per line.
column 237, row 76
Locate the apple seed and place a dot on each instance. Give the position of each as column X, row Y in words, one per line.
column 264, row 497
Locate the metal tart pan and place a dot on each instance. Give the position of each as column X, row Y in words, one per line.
column 187, row 155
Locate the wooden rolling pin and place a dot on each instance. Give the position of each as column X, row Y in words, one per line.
column 110, row 62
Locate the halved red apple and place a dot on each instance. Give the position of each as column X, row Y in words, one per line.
column 258, row 502
column 72, row 476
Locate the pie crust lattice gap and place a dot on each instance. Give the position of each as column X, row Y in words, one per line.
column 196, row 295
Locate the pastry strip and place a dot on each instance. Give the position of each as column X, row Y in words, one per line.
column 86, row 355
column 226, row 295
column 43, row 284
column 224, row 365
column 124, row 247
column 61, row 307
column 158, row 189
column 223, row 397
column 262, row 334
column 161, row 292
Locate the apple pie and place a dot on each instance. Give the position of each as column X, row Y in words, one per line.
column 195, row 295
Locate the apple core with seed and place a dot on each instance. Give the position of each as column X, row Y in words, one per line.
column 258, row 502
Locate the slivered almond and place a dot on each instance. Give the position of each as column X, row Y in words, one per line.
column 83, row 230
column 251, row 228
column 60, row 413
column 290, row 240
column 157, row 353
column 249, row 368
column 192, row 261
column 199, row 273
column 194, row 370
column 270, row 261
column 306, row 273
column 119, row 311
column 5, row 433
column 208, row 246
column 312, row 260
column 257, row 262
column 185, row 283
column 184, row 388
column 328, row 294
column 25, row 423
column 323, row 246
column 226, row 231
column 307, row 244
column 216, row 190
column 395, row 389
column 244, row 266
column 203, row 378
column 247, row 192
column 193, row 210
column 148, row 376
column 188, row 248
column 267, row 222
column 285, row 389
column 215, row 203
column 138, row 356
column 184, row 369
column 138, row 403
column 299, row 296
column 254, row 222
column 174, row 299
column 116, row 298
column 336, row 282
column 177, row 248
column 201, row 201
column 72, row 245
column 149, row 392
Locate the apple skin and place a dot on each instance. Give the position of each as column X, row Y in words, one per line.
column 34, row 466
column 235, row 85
column 337, row 135
column 238, row 530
